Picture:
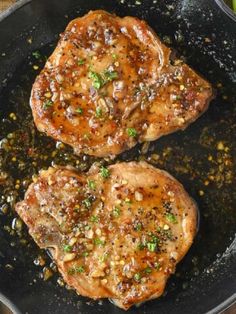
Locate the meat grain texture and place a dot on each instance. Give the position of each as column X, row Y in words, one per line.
column 110, row 83
column 115, row 232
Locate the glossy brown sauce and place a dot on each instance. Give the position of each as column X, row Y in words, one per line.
column 202, row 158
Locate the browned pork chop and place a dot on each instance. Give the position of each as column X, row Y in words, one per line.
column 110, row 84
column 117, row 232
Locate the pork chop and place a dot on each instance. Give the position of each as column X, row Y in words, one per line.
column 110, row 83
column 115, row 232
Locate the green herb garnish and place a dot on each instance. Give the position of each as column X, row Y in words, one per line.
column 148, row 270
column 171, row 218
column 98, row 112
column 141, row 246
column 67, row 248
column 94, row 219
column 79, row 110
column 131, row 132
column 81, row 61
column 79, row 269
column 36, row 54
column 47, row 104
column 105, row 173
column 116, row 211
column 76, row 270
column 97, row 79
column 92, row 184
column 138, row 226
column 110, row 75
column 87, row 203
column 137, row 277
column 151, row 246
column 98, row 241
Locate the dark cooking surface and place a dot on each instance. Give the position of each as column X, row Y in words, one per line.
column 203, row 157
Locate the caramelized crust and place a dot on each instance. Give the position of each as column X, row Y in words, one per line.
column 110, row 84
column 115, row 232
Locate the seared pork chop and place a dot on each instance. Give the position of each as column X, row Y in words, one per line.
column 116, row 232
column 110, row 83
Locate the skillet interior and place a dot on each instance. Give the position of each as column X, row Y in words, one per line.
column 206, row 38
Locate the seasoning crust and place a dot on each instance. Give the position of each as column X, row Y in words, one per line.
column 111, row 83
column 115, row 232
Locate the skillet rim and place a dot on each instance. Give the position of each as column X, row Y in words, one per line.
column 218, row 308
column 226, row 9
column 18, row 5
column 9, row 304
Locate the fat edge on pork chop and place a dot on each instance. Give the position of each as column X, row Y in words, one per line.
column 110, row 83
column 115, row 232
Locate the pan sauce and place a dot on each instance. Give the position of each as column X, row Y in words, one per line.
column 202, row 158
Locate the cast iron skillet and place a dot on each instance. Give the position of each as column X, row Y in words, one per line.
column 205, row 282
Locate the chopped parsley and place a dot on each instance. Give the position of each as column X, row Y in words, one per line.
column 36, row 54
column 98, row 112
column 79, row 269
column 141, row 246
column 67, row 248
column 76, row 270
column 104, row 172
column 98, row 241
column 81, row 61
column 87, row 203
column 151, row 246
column 92, row 184
column 148, row 270
column 99, row 80
column 132, row 132
column 116, row 211
column 79, row 110
column 137, row 277
column 171, row 218
column 138, row 226
column 110, row 75
column 85, row 254
column 154, row 238
column 47, row 104
column 94, row 219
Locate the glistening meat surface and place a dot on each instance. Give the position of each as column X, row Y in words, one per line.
column 115, row 232
column 110, row 83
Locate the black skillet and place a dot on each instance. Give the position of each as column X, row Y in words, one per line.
column 203, row 157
